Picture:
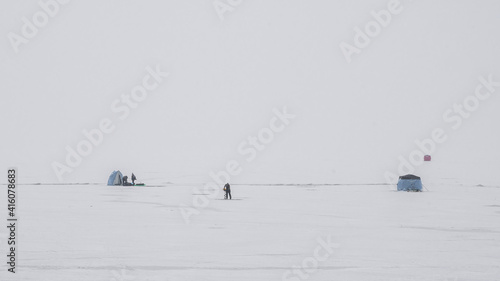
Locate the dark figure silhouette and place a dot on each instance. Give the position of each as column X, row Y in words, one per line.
column 227, row 189
column 133, row 179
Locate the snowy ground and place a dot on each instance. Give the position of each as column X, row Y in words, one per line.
column 97, row 232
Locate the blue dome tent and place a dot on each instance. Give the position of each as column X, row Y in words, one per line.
column 116, row 178
column 409, row 183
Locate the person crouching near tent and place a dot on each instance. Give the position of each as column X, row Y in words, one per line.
column 227, row 189
column 125, row 181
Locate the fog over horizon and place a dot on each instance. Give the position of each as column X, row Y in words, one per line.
column 227, row 78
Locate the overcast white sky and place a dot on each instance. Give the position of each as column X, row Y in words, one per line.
column 352, row 120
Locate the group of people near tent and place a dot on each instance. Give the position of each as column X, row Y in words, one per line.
column 117, row 178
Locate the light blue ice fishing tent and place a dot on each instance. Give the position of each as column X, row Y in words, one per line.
column 116, row 178
column 409, row 183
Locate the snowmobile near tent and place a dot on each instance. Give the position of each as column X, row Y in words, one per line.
column 116, row 178
column 409, row 183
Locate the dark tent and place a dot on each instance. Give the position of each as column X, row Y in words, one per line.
column 409, row 177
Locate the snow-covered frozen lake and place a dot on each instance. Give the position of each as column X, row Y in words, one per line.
column 95, row 232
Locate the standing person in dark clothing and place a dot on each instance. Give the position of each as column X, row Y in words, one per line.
column 227, row 189
column 133, row 179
